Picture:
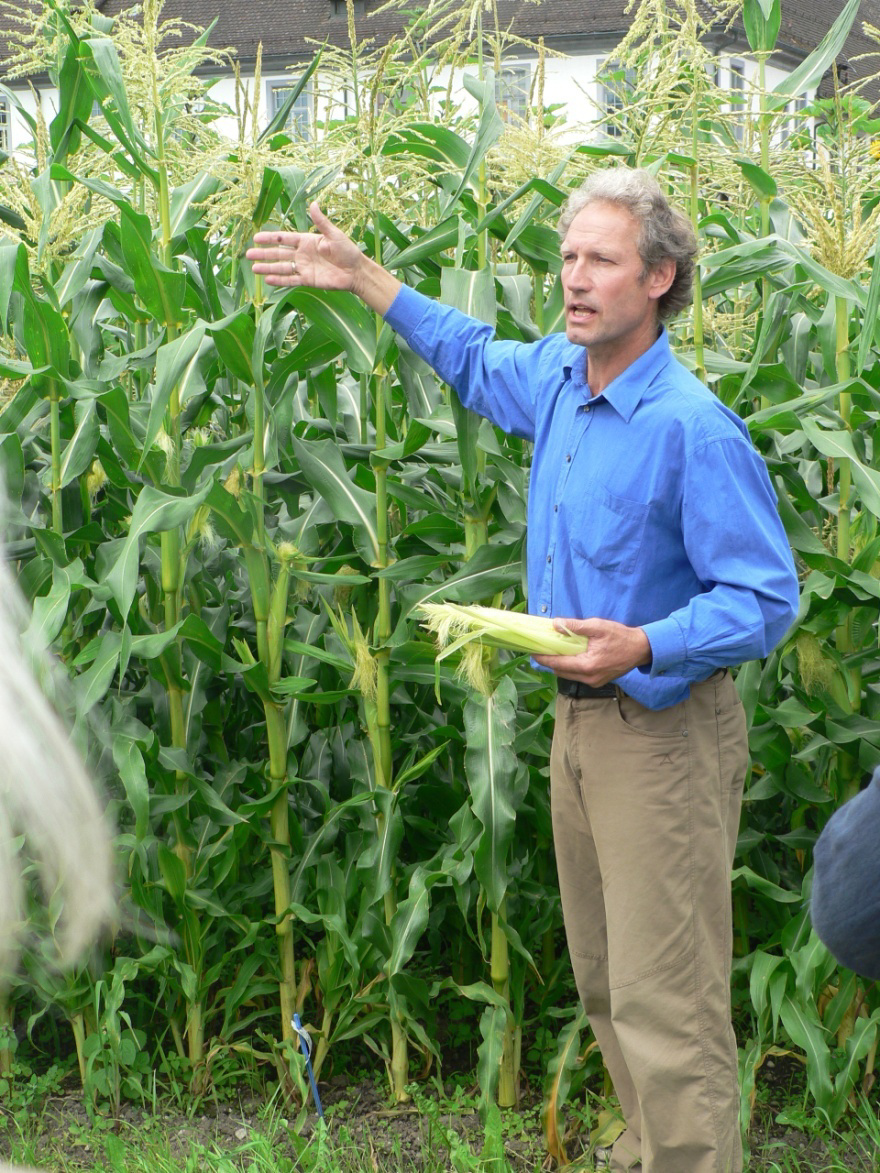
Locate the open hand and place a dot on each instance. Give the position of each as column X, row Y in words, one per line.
column 326, row 259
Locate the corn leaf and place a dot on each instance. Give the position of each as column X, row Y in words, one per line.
column 762, row 19
column 489, row 128
column 323, row 467
column 497, row 784
column 154, row 512
column 74, row 103
column 409, row 922
column 426, row 246
column 160, row 289
column 377, row 861
column 838, row 444
column 177, row 365
column 805, row 1031
column 129, row 761
column 79, row 452
column 493, row 568
column 870, row 332
column 234, row 338
column 430, row 141
column 858, row 1044
column 185, row 200
column 344, row 319
column 474, row 294
column 811, row 71
column 493, row 1023
column 559, row 1072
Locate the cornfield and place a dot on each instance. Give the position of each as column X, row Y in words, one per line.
column 227, row 508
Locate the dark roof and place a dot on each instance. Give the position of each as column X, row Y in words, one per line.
column 804, row 25
column 286, row 26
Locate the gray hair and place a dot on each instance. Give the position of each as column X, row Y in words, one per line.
column 664, row 230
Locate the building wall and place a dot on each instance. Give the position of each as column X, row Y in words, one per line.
column 570, row 83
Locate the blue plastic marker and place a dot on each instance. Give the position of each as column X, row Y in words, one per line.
column 305, row 1043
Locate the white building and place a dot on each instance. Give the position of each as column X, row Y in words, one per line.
column 578, row 35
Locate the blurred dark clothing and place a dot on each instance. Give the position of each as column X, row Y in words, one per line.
column 846, row 883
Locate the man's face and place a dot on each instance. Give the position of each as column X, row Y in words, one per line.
column 610, row 307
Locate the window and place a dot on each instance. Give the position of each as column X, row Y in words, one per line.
column 513, row 84
column 4, row 125
column 796, row 123
column 340, row 8
column 616, row 88
column 299, row 118
column 738, row 97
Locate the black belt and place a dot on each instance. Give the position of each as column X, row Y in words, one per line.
column 579, row 690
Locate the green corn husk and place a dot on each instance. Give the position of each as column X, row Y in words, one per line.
column 513, row 630
column 470, row 629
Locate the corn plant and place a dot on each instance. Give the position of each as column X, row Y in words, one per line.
column 230, row 507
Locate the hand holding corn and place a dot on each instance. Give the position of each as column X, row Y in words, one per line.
column 612, row 649
column 466, row 629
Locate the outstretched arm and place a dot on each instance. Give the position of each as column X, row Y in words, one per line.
column 326, row 259
column 493, row 378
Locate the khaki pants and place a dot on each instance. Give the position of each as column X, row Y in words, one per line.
column 645, row 817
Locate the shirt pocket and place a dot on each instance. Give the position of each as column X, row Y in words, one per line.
column 608, row 531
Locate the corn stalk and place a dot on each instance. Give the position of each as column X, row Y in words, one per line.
column 6, row 1033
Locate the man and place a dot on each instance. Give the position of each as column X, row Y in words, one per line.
column 653, row 531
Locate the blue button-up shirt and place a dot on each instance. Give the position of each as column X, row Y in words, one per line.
column 648, row 503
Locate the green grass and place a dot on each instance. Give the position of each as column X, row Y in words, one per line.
column 44, row 1123
column 130, row 1151
column 169, row 1142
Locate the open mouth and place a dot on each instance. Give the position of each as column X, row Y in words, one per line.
column 578, row 312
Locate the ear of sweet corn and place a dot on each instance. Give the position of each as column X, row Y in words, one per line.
column 466, row 628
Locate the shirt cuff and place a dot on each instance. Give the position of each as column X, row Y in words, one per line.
column 667, row 646
column 406, row 311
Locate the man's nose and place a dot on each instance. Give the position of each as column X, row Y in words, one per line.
column 580, row 276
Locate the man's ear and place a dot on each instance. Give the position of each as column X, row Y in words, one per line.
column 661, row 277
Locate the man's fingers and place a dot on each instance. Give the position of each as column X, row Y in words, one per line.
column 284, row 239
column 564, row 625
column 576, row 626
column 325, row 227
column 269, row 256
column 283, row 272
column 560, row 663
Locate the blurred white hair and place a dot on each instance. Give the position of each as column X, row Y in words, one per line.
column 47, row 798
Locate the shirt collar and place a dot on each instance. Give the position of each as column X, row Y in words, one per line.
column 625, row 392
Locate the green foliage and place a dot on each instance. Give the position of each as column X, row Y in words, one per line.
column 225, row 505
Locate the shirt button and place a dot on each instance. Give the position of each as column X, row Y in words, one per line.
column 549, row 559
column 543, row 607
column 555, row 508
column 586, row 407
column 568, row 458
